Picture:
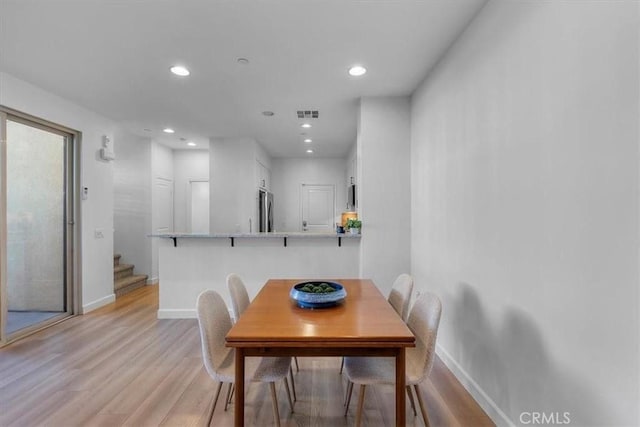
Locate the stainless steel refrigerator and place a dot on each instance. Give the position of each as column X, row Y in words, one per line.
column 265, row 211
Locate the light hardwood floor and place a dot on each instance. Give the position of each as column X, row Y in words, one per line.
column 120, row 366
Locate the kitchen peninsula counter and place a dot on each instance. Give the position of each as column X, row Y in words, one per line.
column 274, row 235
column 191, row 263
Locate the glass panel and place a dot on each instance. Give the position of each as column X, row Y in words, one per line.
column 36, row 288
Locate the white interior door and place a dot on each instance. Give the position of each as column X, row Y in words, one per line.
column 163, row 190
column 199, row 206
column 318, row 208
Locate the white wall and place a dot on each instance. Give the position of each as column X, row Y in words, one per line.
column 188, row 165
column 288, row 175
column 233, row 185
column 132, row 201
column 383, row 152
column 97, row 211
column 525, row 208
column 161, row 167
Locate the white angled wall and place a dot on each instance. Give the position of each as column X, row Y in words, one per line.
column 132, row 201
column 384, row 188
column 525, row 208
column 161, row 168
column 233, row 185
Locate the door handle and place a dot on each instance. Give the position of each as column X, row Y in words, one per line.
column 304, row 225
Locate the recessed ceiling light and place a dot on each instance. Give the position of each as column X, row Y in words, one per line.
column 243, row 61
column 268, row 113
column 305, row 125
column 179, row 70
column 357, row 70
column 168, row 130
column 309, row 151
column 307, row 140
column 191, row 144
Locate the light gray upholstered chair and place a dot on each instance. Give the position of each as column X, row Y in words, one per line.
column 239, row 296
column 400, row 295
column 399, row 298
column 239, row 303
column 219, row 361
column 423, row 321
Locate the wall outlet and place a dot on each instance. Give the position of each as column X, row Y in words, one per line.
column 98, row 233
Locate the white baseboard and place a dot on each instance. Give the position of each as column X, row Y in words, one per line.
column 487, row 404
column 98, row 303
column 152, row 281
column 177, row 314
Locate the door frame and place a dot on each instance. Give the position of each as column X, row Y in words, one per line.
column 73, row 216
column 334, row 209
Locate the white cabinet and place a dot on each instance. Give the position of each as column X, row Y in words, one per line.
column 264, row 176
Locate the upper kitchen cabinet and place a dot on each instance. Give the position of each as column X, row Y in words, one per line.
column 264, row 176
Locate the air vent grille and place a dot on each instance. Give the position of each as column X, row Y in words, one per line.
column 307, row 114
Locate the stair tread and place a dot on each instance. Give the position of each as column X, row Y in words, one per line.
column 123, row 286
column 126, row 281
column 121, row 267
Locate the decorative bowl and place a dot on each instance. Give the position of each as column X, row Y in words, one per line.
column 317, row 294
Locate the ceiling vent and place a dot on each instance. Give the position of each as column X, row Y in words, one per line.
column 307, row 114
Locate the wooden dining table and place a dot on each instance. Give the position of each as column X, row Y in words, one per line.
column 363, row 324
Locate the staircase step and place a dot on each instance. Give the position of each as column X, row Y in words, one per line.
column 116, row 259
column 122, row 270
column 128, row 284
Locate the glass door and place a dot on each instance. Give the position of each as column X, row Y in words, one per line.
column 37, row 243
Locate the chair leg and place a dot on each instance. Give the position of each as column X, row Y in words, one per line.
column 360, row 406
column 233, row 388
column 274, row 401
column 228, row 399
column 215, row 400
column 425, row 418
column 286, row 386
column 413, row 404
column 295, row 359
column 341, row 366
column 347, row 397
column 293, row 385
column 347, row 392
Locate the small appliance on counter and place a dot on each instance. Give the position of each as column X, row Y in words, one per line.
column 348, row 215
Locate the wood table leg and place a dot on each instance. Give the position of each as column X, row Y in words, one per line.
column 400, row 388
column 238, row 410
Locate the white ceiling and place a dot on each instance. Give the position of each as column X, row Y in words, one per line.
column 113, row 57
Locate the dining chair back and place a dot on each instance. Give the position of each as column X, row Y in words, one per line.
column 239, row 303
column 423, row 321
column 219, row 361
column 214, row 323
column 239, row 296
column 400, row 295
column 399, row 298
